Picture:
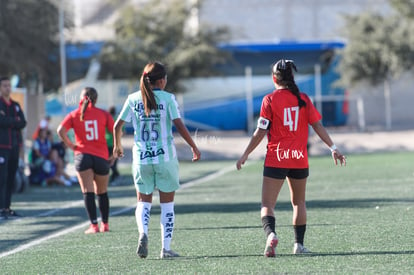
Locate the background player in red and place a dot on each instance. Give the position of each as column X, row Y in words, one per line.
column 91, row 154
column 285, row 115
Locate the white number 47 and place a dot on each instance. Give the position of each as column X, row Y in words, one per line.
column 287, row 118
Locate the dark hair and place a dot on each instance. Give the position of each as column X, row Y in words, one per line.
column 90, row 95
column 2, row 78
column 283, row 72
column 152, row 72
column 112, row 110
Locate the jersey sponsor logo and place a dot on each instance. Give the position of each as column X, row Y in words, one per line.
column 139, row 107
column 288, row 154
column 169, row 225
column 146, row 215
column 152, row 153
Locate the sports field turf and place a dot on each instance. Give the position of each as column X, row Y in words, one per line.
column 360, row 221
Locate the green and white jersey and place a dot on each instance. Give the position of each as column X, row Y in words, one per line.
column 154, row 142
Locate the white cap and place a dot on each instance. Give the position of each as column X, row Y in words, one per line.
column 43, row 123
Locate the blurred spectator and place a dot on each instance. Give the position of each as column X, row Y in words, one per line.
column 43, row 124
column 46, row 167
column 57, row 154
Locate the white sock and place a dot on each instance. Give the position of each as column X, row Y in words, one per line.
column 167, row 224
column 142, row 216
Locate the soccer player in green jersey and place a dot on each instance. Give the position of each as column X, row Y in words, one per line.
column 153, row 112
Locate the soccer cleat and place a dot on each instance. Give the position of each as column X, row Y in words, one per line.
column 271, row 243
column 168, row 254
column 104, row 227
column 300, row 249
column 3, row 215
column 142, row 249
column 93, row 228
column 12, row 214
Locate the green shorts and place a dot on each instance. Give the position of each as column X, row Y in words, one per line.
column 163, row 176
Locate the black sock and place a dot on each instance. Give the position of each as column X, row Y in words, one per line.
column 90, row 205
column 299, row 233
column 103, row 202
column 268, row 223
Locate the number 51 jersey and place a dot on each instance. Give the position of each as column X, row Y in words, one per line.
column 288, row 128
column 90, row 133
column 153, row 138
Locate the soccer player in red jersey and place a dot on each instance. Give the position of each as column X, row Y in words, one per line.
column 91, row 154
column 285, row 115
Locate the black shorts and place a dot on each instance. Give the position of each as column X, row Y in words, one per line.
column 282, row 173
column 100, row 166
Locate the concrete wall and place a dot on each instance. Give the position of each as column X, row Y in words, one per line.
column 258, row 20
column 402, row 98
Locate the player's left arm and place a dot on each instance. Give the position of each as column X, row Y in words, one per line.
column 324, row 136
column 183, row 131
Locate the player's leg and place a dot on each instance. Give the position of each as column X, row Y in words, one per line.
column 86, row 183
column 167, row 181
column 142, row 217
column 167, row 220
column 297, row 189
column 101, row 180
column 85, row 174
column 144, row 184
column 4, row 169
column 11, row 175
column 270, row 191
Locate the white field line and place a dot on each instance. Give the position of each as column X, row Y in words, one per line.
column 77, row 227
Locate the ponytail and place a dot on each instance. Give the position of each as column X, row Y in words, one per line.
column 147, row 93
column 84, row 104
column 152, row 72
column 293, row 88
column 283, row 71
column 89, row 98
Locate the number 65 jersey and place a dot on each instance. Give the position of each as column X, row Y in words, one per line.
column 153, row 138
column 288, row 128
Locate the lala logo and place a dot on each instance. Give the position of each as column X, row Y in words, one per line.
column 151, row 153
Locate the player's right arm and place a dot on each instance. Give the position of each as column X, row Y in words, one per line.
column 255, row 140
column 62, row 130
column 118, row 151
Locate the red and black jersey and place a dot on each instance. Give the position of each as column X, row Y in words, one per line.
column 12, row 121
column 90, row 133
column 288, row 128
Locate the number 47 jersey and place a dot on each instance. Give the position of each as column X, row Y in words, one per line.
column 153, row 138
column 288, row 128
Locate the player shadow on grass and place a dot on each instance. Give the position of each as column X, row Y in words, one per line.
column 353, row 253
column 282, row 205
column 313, row 254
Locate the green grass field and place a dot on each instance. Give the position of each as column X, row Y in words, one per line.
column 360, row 221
